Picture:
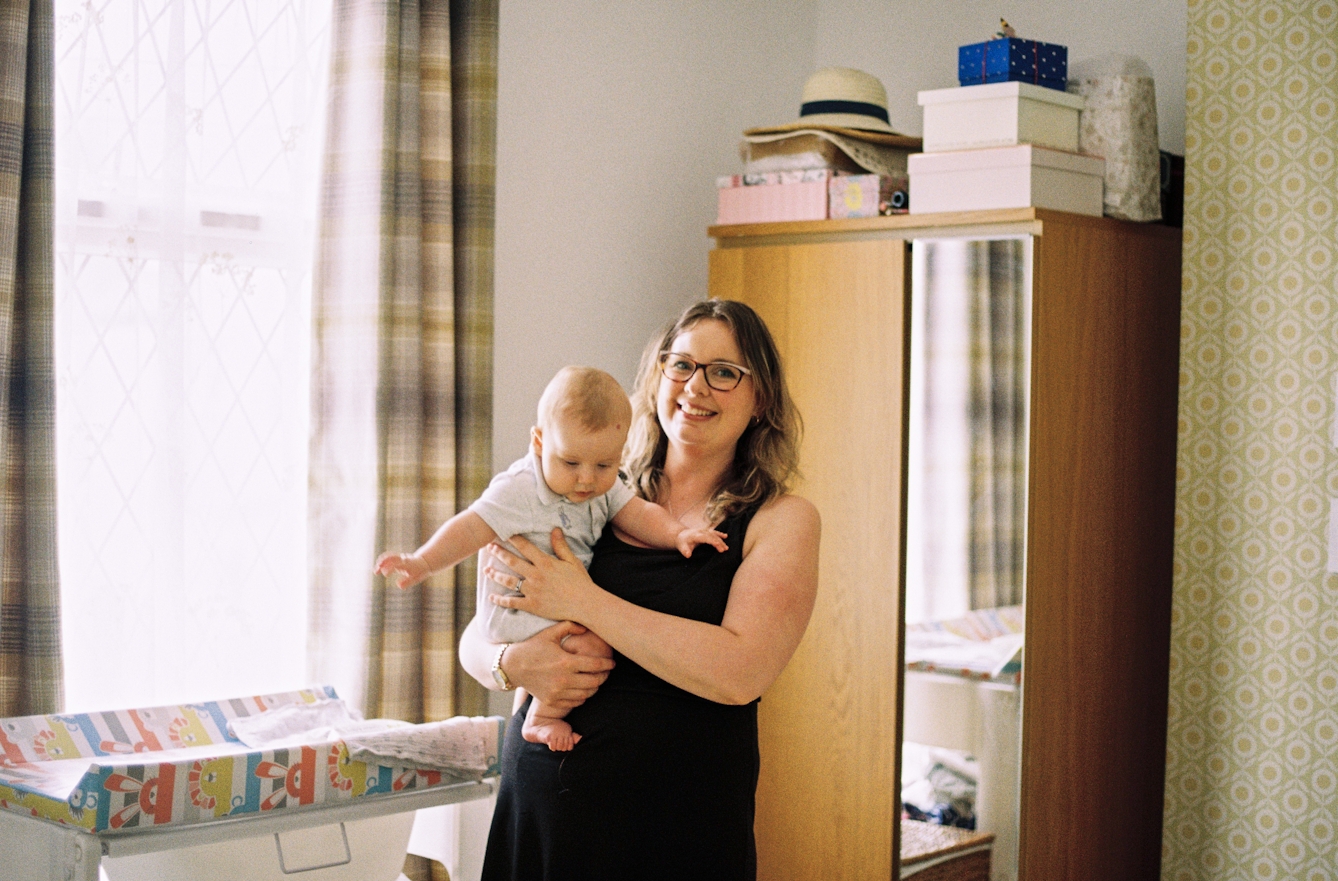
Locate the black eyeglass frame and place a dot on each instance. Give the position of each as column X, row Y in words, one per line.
column 704, row 367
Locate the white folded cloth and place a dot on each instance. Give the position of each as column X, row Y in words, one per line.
column 464, row 746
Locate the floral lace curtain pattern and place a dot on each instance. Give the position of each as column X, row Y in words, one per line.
column 190, row 136
column 30, row 660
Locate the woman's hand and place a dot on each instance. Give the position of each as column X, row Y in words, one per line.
column 545, row 668
column 551, row 587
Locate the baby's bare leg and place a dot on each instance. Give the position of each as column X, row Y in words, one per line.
column 544, row 724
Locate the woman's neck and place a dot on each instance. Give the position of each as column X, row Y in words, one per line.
column 691, row 478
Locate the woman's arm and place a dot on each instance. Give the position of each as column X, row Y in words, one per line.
column 540, row 664
column 770, row 601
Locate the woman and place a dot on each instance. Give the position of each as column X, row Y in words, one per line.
column 663, row 781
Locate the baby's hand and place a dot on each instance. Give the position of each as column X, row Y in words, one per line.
column 407, row 569
column 690, row 538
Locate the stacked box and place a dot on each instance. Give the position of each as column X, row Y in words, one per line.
column 773, row 196
column 1011, row 59
column 999, row 115
column 1007, row 138
column 865, row 195
column 1006, row 177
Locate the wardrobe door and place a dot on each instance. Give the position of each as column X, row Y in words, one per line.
column 829, row 798
column 1099, row 548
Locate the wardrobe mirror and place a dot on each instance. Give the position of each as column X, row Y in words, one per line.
column 965, row 537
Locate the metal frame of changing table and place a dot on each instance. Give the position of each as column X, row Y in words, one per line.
column 33, row 849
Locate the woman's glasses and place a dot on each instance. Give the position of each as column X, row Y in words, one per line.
column 720, row 375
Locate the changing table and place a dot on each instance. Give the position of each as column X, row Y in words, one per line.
column 168, row 793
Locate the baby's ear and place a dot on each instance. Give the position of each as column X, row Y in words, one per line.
column 537, row 440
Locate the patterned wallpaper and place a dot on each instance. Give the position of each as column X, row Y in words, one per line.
column 1252, row 751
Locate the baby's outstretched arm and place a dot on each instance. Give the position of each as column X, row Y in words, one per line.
column 650, row 523
column 462, row 535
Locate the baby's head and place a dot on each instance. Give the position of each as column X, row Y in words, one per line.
column 583, row 420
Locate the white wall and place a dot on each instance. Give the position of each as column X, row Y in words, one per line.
column 614, row 119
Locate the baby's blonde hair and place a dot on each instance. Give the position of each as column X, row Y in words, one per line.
column 591, row 397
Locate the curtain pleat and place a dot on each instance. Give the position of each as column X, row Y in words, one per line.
column 30, row 661
column 997, row 419
column 474, row 27
column 391, row 375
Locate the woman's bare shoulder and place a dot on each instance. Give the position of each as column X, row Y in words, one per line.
column 790, row 506
column 787, row 518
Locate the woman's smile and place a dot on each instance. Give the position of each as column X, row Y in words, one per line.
column 694, row 411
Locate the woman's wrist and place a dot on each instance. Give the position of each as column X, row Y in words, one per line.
column 511, row 658
column 499, row 674
column 518, row 664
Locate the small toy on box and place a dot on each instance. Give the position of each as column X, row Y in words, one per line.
column 1008, row 58
column 866, row 195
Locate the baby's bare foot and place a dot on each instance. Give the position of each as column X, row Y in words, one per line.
column 554, row 733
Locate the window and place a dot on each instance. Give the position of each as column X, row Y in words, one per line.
column 188, row 141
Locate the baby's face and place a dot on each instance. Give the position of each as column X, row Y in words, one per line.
column 578, row 463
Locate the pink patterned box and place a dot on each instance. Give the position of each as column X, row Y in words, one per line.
column 766, row 203
column 865, row 195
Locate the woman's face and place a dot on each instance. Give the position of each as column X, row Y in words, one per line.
column 692, row 413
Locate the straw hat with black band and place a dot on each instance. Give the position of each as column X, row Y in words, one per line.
column 849, row 108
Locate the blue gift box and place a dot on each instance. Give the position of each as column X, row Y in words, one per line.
column 1010, row 59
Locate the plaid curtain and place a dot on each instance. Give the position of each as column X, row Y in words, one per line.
column 30, row 664
column 996, row 277
column 967, row 507
column 402, row 383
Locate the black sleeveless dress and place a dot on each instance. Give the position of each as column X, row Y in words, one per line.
column 663, row 783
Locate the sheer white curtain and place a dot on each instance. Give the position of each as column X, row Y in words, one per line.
column 938, row 474
column 188, row 142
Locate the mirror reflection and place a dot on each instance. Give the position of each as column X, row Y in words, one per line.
column 965, row 532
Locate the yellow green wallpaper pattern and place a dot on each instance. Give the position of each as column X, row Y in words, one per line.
column 1252, row 747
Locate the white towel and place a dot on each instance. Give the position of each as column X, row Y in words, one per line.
column 462, row 746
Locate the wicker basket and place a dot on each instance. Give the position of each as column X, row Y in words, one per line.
column 942, row 853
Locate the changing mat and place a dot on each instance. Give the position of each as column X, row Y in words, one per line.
column 984, row 644
column 129, row 769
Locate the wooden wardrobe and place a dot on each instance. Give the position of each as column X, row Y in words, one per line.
column 1104, row 347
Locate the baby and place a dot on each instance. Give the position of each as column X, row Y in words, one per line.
column 570, row 480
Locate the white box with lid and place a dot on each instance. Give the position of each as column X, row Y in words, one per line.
column 1021, row 176
column 999, row 115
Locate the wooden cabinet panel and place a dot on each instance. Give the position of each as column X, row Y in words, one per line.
column 1101, row 506
column 828, row 802
column 1105, row 319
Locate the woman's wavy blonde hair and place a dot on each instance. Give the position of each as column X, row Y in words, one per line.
column 766, row 460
